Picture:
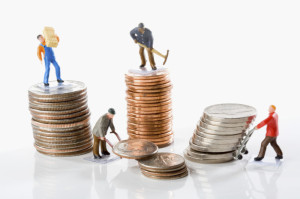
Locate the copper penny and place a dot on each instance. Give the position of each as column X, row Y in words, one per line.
column 133, row 94
column 151, row 135
column 138, row 132
column 151, row 87
column 149, row 122
column 169, row 88
column 157, row 115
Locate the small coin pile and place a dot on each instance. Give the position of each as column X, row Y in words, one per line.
column 149, row 106
column 164, row 166
column 219, row 132
column 60, row 118
column 152, row 164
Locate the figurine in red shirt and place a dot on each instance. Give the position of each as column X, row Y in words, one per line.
column 271, row 135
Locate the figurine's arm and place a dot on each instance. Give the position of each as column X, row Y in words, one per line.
column 132, row 34
column 40, row 50
column 116, row 134
column 57, row 38
column 150, row 42
column 264, row 122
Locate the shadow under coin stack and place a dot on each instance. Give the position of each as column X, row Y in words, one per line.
column 219, row 132
column 60, row 118
column 149, row 106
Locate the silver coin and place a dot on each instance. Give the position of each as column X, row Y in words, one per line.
column 233, row 130
column 211, row 156
column 211, row 149
column 69, row 87
column 205, row 161
column 223, row 124
column 230, row 113
column 215, row 132
column 216, row 141
column 208, row 144
column 218, row 137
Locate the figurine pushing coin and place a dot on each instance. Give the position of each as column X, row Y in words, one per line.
column 271, row 136
column 100, row 131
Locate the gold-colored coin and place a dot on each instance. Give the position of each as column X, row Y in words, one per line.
column 142, row 101
column 164, row 143
column 165, row 174
column 148, row 112
column 158, row 116
column 169, row 88
column 135, row 149
column 63, row 121
column 149, row 87
column 151, row 135
column 137, row 126
column 62, row 154
column 150, row 109
column 61, row 112
column 133, row 94
column 151, row 139
column 60, row 117
column 157, row 129
column 159, row 104
column 142, row 83
column 138, row 132
column 149, row 122
column 62, row 126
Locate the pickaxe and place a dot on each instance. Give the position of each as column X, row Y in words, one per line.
column 156, row 52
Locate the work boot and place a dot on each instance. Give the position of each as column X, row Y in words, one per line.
column 105, row 153
column 258, row 158
column 60, row 81
column 278, row 157
column 97, row 156
column 46, row 84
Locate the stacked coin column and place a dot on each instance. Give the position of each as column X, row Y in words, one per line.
column 219, row 132
column 149, row 107
column 60, row 118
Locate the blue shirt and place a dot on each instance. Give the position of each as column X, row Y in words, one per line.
column 145, row 38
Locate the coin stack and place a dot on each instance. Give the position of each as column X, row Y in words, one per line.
column 149, row 106
column 219, row 132
column 164, row 166
column 60, row 118
column 152, row 164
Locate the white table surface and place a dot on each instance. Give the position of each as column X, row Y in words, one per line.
column 27, row 174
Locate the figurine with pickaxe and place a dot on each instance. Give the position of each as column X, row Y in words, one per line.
column 143, row 37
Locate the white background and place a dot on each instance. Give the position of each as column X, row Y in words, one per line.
column 220, row 51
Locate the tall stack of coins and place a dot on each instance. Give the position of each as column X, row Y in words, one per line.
column 219, row 132
column 149, row 106
column 152, row 164
column 60, row 118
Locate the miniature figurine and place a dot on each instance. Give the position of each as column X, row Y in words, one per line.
column 100, row 131
column 48, row 56
column 143, row 37
column 271, row 135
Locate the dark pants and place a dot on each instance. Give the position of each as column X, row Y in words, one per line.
column 150, row 55
column 264, row 144
column 98, row 142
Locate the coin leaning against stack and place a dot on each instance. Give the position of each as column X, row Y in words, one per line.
column 219, row 132
column 152, row 164
column 149, row 107
column 60, row 118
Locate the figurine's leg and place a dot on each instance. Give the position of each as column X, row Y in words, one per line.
column 103, row 148
column 96, row 147
column 263, row 147
column 142, row 55
column 151, row 59
column 47, row 70
column 57, row 70
column 276, row 147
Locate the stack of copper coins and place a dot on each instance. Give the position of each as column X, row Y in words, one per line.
column 60, row 118
column 149, row 106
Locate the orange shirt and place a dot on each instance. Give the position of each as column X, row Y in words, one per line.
column 41, row 49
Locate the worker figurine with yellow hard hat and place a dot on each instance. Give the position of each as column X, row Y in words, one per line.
column 47, row 52
column 271, row 136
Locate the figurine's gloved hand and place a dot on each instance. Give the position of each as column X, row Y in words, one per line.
column 102, row 138
column 255, row 128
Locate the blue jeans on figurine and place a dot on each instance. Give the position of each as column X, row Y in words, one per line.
column 47, row 69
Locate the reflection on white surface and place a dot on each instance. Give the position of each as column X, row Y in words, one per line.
column 37, row 176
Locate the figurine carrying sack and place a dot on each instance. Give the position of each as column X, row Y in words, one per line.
column 100, row 131
column 271, row 135
column 45, row 48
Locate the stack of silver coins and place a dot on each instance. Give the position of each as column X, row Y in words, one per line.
column 60, row 118
column 219, row 132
